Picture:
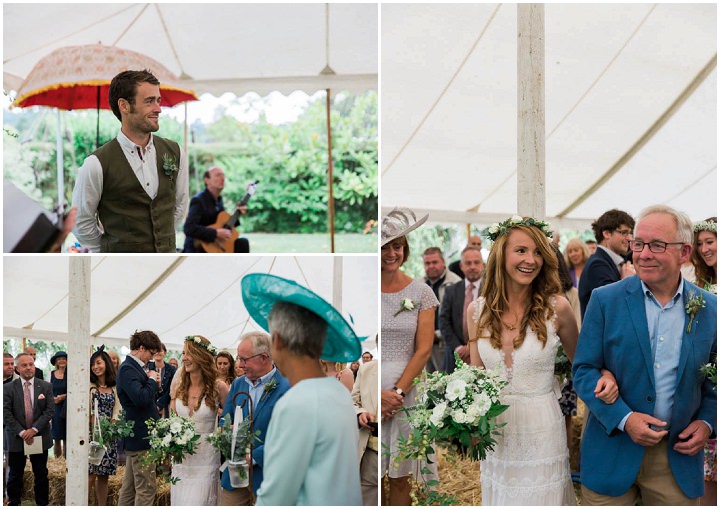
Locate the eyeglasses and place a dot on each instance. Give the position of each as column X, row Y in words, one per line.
column 624, row 233
column 243, row 360
column 655, row 246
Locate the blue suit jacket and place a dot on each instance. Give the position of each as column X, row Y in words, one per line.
column 599, row 270
column 615, row 336
column 261, row 420
column 137, row 394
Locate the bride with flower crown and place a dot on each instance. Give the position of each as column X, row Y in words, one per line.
column 516, row 325
column 197, row 393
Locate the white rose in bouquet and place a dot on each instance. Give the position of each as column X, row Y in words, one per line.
column 455, row 390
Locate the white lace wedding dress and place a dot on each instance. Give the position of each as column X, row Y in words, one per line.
column 530, row 464
column 198, row 473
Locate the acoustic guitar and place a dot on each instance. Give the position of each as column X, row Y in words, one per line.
column 225, row 220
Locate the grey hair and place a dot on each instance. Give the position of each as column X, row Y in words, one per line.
column 302, row 331
column 260, row 342
column 683, row 223
column 21, row 355
column 471, row 248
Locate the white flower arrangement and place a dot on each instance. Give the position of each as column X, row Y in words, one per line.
column 705, row 226
column 459, row 406
column 173, row 436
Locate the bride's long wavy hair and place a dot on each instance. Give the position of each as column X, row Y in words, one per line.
column 202, row 357
column 494, row 291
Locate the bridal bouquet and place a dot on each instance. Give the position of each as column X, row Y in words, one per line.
column 461, row 406
column 172, row 436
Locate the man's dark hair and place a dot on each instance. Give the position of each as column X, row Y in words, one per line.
column 434, row 250
column 162, row 347
column 124, row 86
column 611, row 220
column 371, row 355
column 6, row 355
column 147, row 339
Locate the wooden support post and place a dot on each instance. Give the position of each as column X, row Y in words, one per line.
column 531, row 110
column 331, row 200
column 78, row 381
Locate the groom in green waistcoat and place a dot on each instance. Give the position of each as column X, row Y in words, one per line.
column 132, row 193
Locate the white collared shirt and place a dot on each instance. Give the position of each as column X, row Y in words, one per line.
column 616, row 258
column 89, row 187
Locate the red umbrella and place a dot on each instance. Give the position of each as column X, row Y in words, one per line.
column 78, row 77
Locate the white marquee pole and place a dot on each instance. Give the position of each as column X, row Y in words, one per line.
column 78, row 381
column 337, row 282
column 531, row 110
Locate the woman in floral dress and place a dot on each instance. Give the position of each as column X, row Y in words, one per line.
column 102, row 390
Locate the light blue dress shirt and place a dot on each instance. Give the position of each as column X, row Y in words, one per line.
column 256, row 391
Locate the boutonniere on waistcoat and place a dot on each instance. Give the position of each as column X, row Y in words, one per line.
column 694, row 304
column 269, row 387
column 170, row 166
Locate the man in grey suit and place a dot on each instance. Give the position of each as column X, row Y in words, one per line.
column 453, row 317
column 27, row 412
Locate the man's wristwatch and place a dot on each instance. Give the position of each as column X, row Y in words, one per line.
column 399, row 391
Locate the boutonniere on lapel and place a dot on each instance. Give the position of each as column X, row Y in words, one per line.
column 170, row 166
column 407, row 305
column 269, row 387
column 694, row 304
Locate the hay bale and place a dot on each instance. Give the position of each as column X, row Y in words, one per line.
column 57, row 474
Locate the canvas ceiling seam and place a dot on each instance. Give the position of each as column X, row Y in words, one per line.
column 443, row 92
column 130, row 25
column 76, row 32
column 140, row 298
column 602, row 73
column 211, row 301
column 182, row 72
column 646, row 136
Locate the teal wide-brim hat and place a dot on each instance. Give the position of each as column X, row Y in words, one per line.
column 260, row 293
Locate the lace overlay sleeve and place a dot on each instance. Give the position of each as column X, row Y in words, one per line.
column 475, row 307
column 427, row 298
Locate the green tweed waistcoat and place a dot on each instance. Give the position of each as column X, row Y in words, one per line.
column 132, row 221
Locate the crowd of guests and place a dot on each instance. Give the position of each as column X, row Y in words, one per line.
column 207, row 385
column 453, row 309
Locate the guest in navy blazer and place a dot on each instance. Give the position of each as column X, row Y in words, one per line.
column 650, row 441
column 137, row 390
column 266, row 386
column 167, row 372
column 613, row 231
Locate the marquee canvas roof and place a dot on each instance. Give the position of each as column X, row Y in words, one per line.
column 175, row 296
column 630, row 99
column 212, row 48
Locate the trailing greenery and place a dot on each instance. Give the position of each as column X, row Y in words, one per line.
column 289, row 161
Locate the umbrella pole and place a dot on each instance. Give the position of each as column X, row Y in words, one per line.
column 97, row 128
column 331, row 201
column 59, row 162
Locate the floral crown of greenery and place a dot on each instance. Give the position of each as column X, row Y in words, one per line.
column 207, row 346
column 705, row 226
column 496, row 230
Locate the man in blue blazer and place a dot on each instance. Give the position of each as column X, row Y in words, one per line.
column 607, row 265
column 266, row 386
column 654, row 332
column 137, row 391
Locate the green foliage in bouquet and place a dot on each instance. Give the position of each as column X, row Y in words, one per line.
column 221, row 439
column 563, row 366
column 112, row 431
column 461, row 406
column 174, row 437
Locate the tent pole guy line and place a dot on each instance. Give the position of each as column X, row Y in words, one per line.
column 444, row 90
column 122, row 34
column 647, row 135
column 220, row 294
column 166, row 273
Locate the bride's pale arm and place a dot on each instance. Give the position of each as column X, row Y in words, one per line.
column 567, row 326
column 223, row 389
column 475, row 359
column 424, row 338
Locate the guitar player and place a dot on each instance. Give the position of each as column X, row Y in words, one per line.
column 204, row 209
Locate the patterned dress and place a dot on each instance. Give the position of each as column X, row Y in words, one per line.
column 398, row 346
column 106, row 404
